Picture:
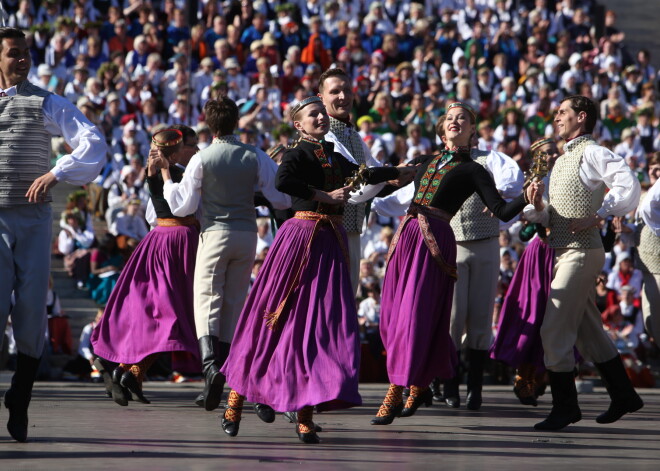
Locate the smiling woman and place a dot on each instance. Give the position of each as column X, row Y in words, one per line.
column 419, row 281
column 305, row 290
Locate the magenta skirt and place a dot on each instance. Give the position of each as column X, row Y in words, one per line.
column 311, row 357
column 416, row 307
column 150, row 309
column 518, row 339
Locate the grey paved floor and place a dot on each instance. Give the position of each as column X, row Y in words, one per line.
column 73, row 426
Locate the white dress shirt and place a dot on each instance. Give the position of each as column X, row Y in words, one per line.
column 601, row 165
column 649, row 210
column 61, row 118
column 184, row 197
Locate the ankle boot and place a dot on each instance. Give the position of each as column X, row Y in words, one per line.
column 214, row 353
column 391, row 407
column 305, row 428
column 565, row 409
column 452, row 399
column 17, row 397
column 475, row 380
column 418, row 396
column 622, row 393
column 231, row 419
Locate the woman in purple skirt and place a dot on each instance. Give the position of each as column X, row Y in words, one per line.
column 296, row 344
column 518, row 340
column 419, row 281
column 150, row 309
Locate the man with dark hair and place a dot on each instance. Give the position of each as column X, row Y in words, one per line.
column 28, row 117
column 336, row 91
column 576, row 207
column 223, row 179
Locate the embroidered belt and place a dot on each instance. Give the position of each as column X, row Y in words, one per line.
column 321, row 219
column 422, row 213
column 171, row 222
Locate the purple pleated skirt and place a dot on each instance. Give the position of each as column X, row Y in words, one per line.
column 416, row 307
column 518, row 339
column 312, row 355
column 150, row 309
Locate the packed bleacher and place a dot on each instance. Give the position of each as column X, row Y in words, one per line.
column 135, row 66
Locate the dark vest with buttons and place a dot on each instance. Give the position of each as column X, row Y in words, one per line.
column 24, row 143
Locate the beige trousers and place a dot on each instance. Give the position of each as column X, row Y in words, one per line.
column 478, row 264
column 651, row 304
column 222, row 277
column 571, row 316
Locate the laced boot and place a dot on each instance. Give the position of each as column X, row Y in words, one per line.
column 233, row 411
column 391, row 407
column 133, row 379
column 418, row 396
column 305, row 427
column 524, row 385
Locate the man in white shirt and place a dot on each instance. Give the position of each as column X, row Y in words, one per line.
column 28, row 118
column 223, row 178
column 577, row 205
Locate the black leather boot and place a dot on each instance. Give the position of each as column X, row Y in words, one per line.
column 624, row 397
column 452, row 399
column 475, row 379
column 17, row 397
column 214, row 353
column 565, row 409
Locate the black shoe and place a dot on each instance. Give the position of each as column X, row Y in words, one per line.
column 119, row 393
column 130, row 382
column 394, row 411
column 199, row 400
column 452, row 399
column 99, row 364
column 264, row 412
column 426, row 398
column 17, row 425
column 230, row 427
column 624, row 398
column 565, row 409
column 292, row 417
column 309, row 437
column 437, row 390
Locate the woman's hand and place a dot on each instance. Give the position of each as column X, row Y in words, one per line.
column 338, row 196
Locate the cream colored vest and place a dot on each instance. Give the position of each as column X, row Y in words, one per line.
column 471, row 222
column 570, row 199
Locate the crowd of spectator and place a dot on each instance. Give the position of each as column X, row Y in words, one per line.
column 133, row 66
